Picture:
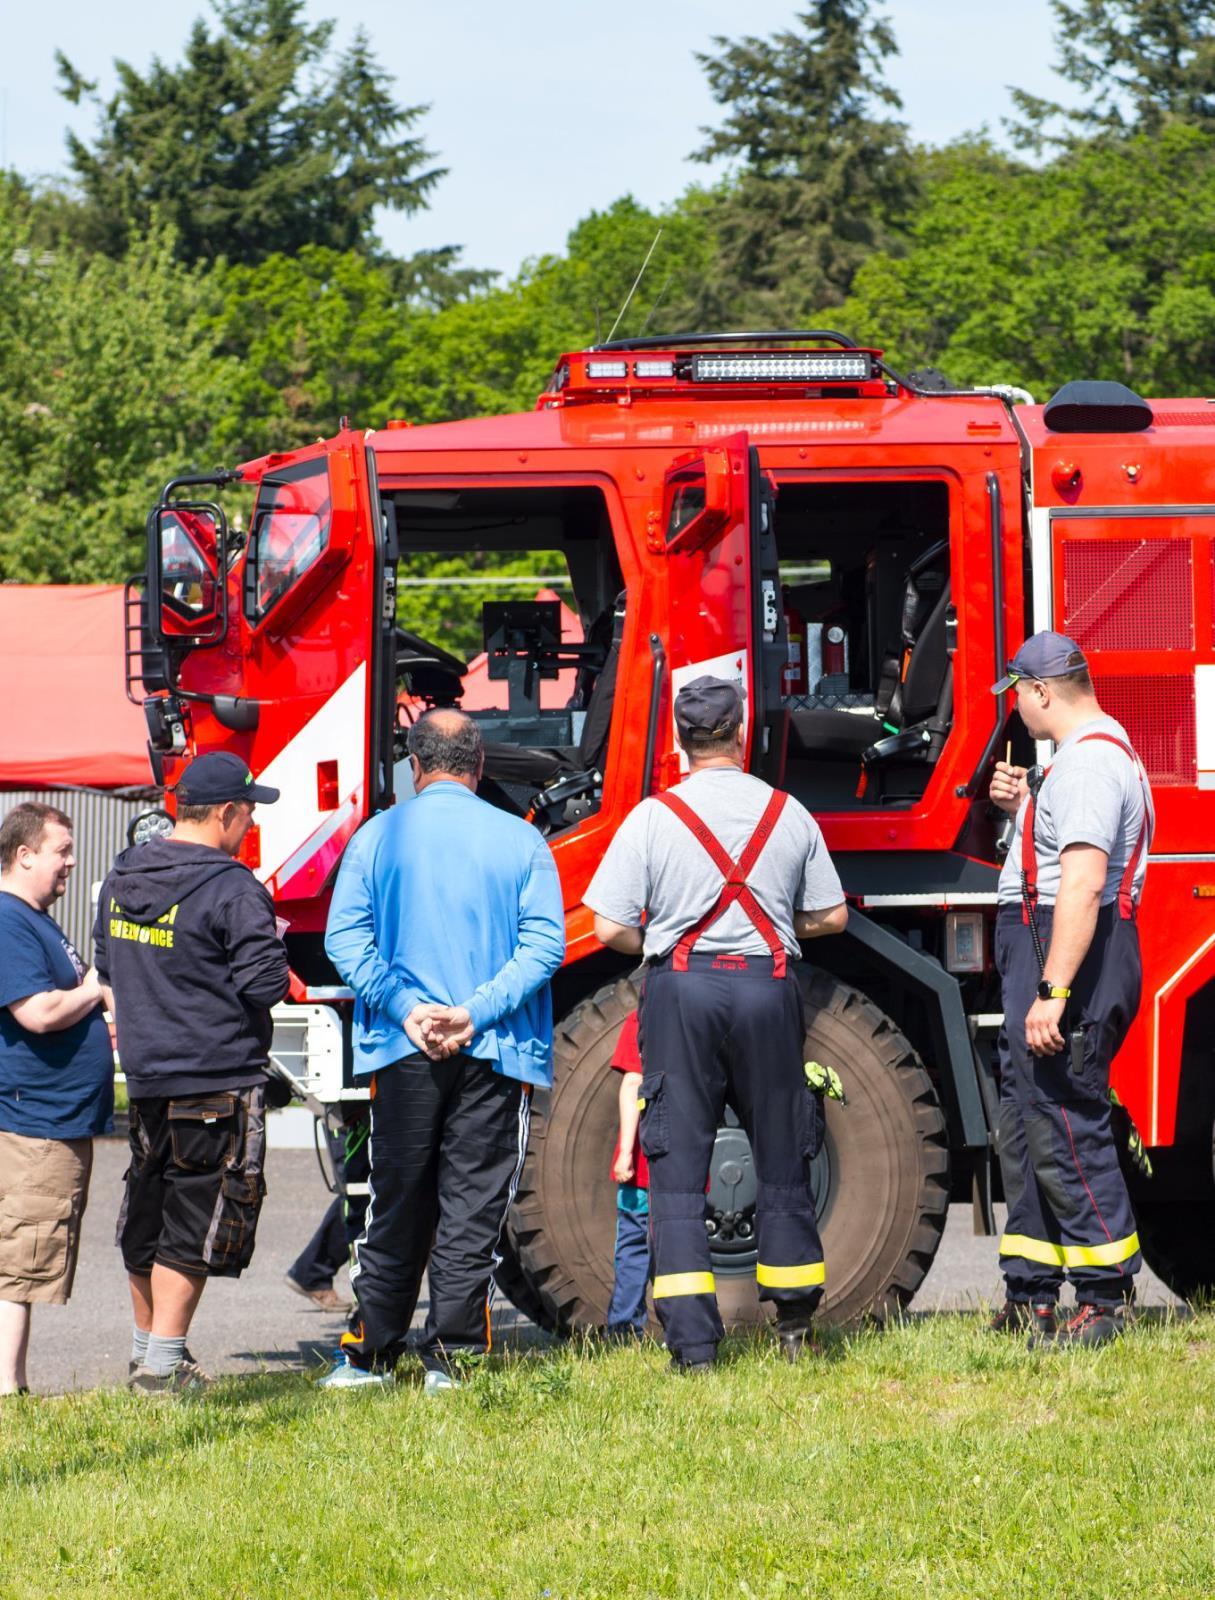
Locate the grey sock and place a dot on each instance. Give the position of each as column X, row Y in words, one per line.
column 139, row 1345
column 163, row 1355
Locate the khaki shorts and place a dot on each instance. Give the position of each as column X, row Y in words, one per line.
column 44, row 1184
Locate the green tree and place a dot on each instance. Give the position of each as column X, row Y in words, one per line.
column 1137, row 64
column 311, row 337
column 822, row 177
column 109, row 378
column 1096, row 266
column 495, row 350
column 260, row 142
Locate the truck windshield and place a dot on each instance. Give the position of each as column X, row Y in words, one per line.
column 290, row 530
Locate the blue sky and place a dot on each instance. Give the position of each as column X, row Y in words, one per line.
column 543, row 109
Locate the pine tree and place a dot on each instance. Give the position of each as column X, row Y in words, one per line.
column 258, row 142
column 1138, row 65
column 823, row 176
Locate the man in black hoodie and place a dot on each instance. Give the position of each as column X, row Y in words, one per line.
column 189, row 956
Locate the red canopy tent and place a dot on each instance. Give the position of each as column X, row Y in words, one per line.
column 64, row 715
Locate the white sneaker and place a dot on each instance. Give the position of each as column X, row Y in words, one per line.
column 439, row 1383
column 344, row 1375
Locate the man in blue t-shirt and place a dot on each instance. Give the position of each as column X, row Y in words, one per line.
column 56, row 1079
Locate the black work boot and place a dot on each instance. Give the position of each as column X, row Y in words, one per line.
column 1036, row 1318
column 796, row 1338
column 687, row 1368
column 1089, row 1327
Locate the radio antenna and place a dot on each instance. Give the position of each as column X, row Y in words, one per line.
column 628, row 298
column 661, row 297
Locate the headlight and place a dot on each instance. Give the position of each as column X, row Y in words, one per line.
column 157, row 824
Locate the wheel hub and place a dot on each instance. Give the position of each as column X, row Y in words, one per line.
column 730, row 1201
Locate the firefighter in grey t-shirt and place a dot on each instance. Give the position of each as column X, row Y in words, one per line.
column 1068, row 953
column 729, row 874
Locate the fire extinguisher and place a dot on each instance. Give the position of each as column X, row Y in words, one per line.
column 795, row 679
column 834, row 680
column 835, row 650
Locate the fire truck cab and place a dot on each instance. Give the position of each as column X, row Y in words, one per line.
column 862, row 555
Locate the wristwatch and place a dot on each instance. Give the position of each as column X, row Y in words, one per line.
column 1052, row 991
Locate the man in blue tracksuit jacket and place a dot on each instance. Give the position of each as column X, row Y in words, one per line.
column 447, row 921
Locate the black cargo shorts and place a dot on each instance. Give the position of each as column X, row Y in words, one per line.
column 195, row 1183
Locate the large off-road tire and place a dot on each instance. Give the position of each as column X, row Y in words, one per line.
column 881, row 1181
column 1175, row 1216
column 514, row 1283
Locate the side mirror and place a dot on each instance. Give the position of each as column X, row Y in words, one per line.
column 699, row 500
column 188, row 573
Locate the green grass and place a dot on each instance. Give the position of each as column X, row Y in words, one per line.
column 929, row 1460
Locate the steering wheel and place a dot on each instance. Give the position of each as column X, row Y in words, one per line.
column 413, row 649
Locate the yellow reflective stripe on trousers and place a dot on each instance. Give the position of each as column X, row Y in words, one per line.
column 668, row 1284
column 808, row 1276
column 1069, row 1255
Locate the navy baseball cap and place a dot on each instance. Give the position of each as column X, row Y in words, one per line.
column 1043, row 655
column 712, row 706
column 216, row 778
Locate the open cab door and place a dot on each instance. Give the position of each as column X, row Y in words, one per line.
column 261, row 656
column 726, row 621
column 321, row 552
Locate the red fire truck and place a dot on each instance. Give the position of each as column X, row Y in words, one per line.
column 862, row 552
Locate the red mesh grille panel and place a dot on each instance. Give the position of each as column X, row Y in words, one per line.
column 1158, row 713
column 1185, row 419
column 1128, row 594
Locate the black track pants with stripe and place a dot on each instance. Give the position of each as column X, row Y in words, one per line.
column 726, row 1030
column 447, row 1144
column 1069, row 1213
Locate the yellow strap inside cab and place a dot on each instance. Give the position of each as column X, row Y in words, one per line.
column 669, row 1284
column 807, row 1276
column 1069, row 1255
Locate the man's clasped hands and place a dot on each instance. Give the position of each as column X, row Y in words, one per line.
column 439, row 1031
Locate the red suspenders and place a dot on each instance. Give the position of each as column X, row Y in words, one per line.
column 735, row 888
column 1029, row 855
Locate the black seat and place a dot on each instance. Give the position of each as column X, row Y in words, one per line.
column 920, row 672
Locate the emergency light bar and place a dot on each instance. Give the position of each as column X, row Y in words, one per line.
column 795, row 367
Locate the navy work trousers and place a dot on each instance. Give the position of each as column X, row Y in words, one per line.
column 447, row 1145
column 1069, row 1214
column 726, row 1028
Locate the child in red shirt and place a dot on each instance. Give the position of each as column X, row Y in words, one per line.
column 627, row 1313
